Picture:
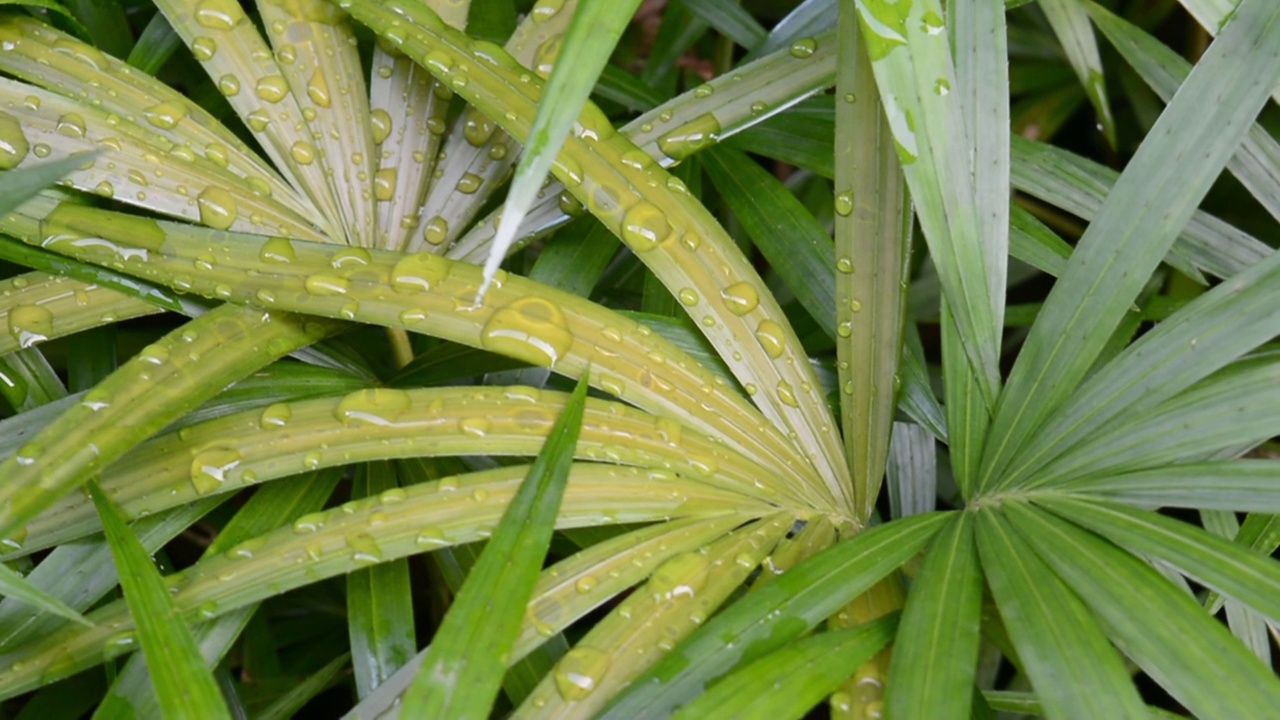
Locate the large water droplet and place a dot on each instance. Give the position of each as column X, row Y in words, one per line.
column 418, row 272
column 786, row 394
column 384, row 184
column 679, row 577
column 275, row 416
column 71, row 125
column 771, row 337
column 644, row 227
column 318, row 89
column 436, row 230
column 277, row 250
column 30, row 324
column 740, row 297
column 204, row 48
column 364, row 549
column 166, row 115
column 381, row 121
column 530, row 329
column 580, row 671
column 687, row 139
column 469, row 183
column 375, row 406
column 844, row 203
column 477, row 127
column 217, row 208
column 219, row 14
column 210, row 468
column 13, row 142
column 272, row 88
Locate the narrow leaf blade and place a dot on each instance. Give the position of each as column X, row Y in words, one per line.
column 463, row 669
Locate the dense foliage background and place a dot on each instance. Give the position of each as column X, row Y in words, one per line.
column 930, row 352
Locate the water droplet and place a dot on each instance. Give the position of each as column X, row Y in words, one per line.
column 469, row 183
column 786, row 395
column 580, row 671
column 530, row 329
column 771, row 337
column 364, row 549
column 436, row 230
column 30, row 324
column 942, row 87
column 855, row 305
column 71, row 125
column 105, row 189
column 204, row 48
column 758, row 107
column 644, row 227
column 844, row 264
column 217, row 208
column 217, row 154
column 318, row 89
column 740, row 297
column 210, row 468
column 349, row 258
column 475, row 427
column 477, row 127
column 309, row 523
column 545, row 10
column 844, row 203
column 303, row 152
column 431, row 537
column 679, row 577
column 275, row 416
column 277, row 250
column 704, row 90
column 688, row 296
column 13, row 142
column 932, row 23
column 229, row 86
column 381, row 122
column 418, row 272
column 384, row 184
column 166, row 115
column 374, row 406
column 804, row 47
column 844, row 329
column 219, row 14
column 311, row 460
column 689, row 138
column 272, row 88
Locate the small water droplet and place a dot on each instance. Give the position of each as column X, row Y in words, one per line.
column 417, row 273
column 13, row 142
column 219, row 14
column 689, row 138
column 804, row 48
column 166, row 115
column 786, row 394
column 644, row 227
column 381, row 122
column 272, row 88
column 275, row 416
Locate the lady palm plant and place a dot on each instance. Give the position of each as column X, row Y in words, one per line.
column 346, row 390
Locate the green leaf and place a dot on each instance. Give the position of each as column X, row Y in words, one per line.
column 183, row 683
column 1075, row 671
column 155, row 46
column 287, row 705
column 379, row 601
column 593, row 33
column 1241, row 485
column 935, row 653
column 1070, row 23
column 911, row 473
column 873, row 229
column 939, row 139
column 795, row 244
column 463, row 668
column 1151, row 203
column 1164, row 631
column 775, row 614
column 15, row 586
column 1226, row 567
column 1256, row 164
column 794, row 678
column 730, row 19
column 17, row 186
